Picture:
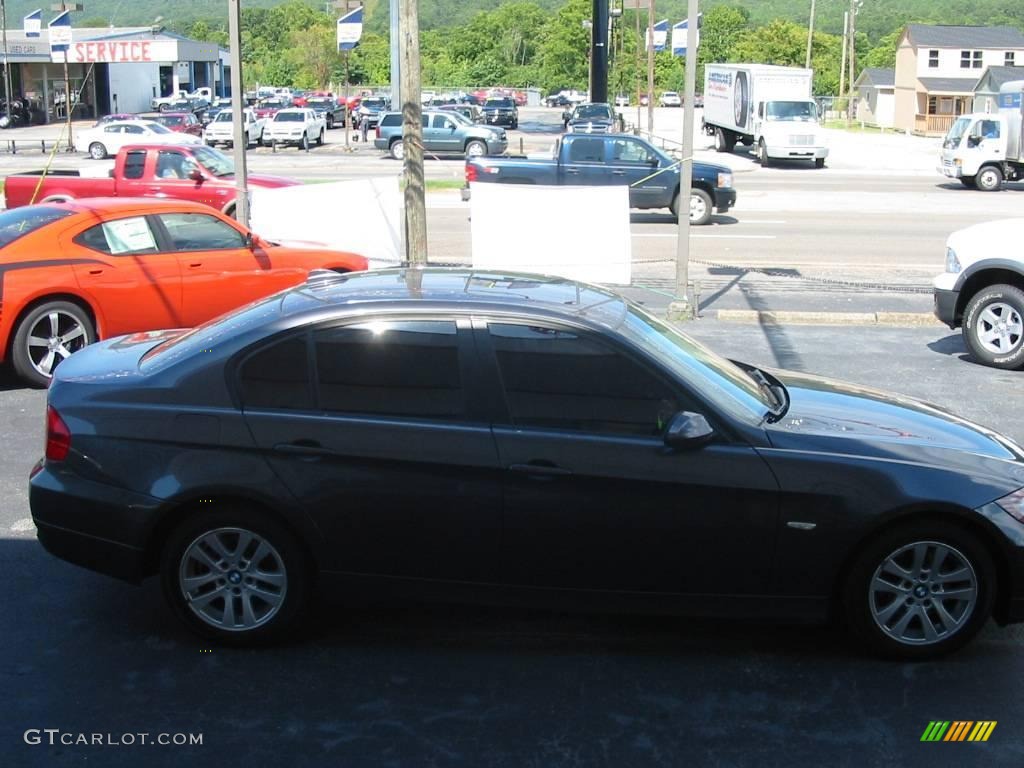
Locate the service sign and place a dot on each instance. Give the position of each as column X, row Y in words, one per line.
column 123, row 52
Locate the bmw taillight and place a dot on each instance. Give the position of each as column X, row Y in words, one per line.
column 58, row 436
column 471, row 172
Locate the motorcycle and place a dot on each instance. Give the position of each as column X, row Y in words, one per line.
column 20, row 114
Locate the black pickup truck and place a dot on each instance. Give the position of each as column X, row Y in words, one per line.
column 580, row 159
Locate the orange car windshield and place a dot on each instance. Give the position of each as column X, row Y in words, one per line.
column 18, row 222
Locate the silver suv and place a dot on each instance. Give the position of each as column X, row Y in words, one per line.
column 443, row 133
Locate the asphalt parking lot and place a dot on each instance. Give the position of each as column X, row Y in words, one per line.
column 436, row 685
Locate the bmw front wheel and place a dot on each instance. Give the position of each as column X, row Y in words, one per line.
column 920, row 590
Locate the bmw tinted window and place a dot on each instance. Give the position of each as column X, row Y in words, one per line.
column 559, row 379
column 391, row 368
column 277, row 377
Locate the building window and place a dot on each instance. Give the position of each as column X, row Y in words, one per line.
column 1008, row 59
column 970, row 60
column 933, row 105
column 933, row 58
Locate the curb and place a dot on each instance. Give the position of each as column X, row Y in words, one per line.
column 782, row 317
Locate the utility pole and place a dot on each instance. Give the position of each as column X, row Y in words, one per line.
column 412, row 135
column 7, row 70
column 650, row 69
column 842, row 65
column 396, row 57
column 681, row 308
column 238, row 113
column 639, row 37
column 852, row 43
column 810, row 37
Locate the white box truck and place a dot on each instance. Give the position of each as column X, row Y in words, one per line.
column 767, row 107
column 983, row 150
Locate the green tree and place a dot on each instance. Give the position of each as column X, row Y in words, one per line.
column 564, row 47
column 883, row 55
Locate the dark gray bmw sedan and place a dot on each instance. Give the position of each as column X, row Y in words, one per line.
column 485, row 436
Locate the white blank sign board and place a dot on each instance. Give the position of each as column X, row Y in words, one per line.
column 362, row 216
column 581, row 233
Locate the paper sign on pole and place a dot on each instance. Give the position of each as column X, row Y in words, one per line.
column 594, row 254
column 308, row 215
column 350, row 29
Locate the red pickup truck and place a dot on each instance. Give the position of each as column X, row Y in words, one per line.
column 197, row 173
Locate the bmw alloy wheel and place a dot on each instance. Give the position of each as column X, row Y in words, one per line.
column 923, row 593
column 233, row 579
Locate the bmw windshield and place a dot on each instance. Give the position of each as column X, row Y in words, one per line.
column 739, row 391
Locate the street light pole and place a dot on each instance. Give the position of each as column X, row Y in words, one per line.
column 810, row 37
column 7, row 69
column 238, row 113
column 681, row 308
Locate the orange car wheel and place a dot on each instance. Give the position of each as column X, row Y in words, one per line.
column 47, row 335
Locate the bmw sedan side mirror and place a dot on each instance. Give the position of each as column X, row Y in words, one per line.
column 687, row 430
column 250, row 241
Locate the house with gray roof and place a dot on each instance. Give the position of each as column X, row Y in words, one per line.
column 876, row 97
column 986, row 90
column 938, row 67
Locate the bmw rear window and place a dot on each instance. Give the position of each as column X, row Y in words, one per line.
column 18, row 222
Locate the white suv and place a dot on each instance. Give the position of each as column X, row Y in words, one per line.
column 295, row 125
column 671, row 99
column 982, row 291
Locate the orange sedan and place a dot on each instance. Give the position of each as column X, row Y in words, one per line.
column 75, row 272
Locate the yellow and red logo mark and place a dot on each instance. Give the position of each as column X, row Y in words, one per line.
column 958, row 730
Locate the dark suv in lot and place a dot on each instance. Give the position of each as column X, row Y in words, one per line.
column 444, row 132
column 501, row 111
column 473, row 434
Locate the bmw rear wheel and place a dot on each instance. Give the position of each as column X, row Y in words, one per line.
column 236, row 575
column 397, row 149
column 97, row 151
column 48, row 335
column 920, row 590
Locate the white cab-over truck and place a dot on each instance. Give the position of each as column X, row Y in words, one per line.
column 767, row 107
column 983, row 150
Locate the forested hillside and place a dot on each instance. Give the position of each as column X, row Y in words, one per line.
column 543, row 43
column 876, row 18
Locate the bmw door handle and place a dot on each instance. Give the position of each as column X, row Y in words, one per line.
column 572, row 172
column 618, row 173
column 308, row 450
column 540, row 470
